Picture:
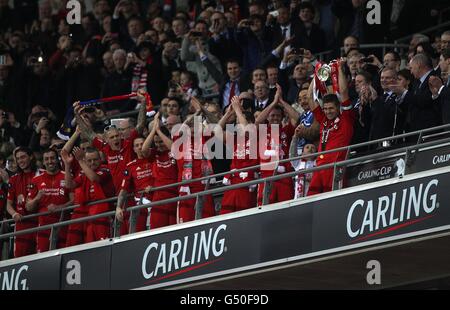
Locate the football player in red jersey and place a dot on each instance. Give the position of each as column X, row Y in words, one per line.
column 49, row 193
column 95, row 183
column 118, row 152
column 18, row 187
column 336, row 130
column 138, row 177
column 244, row 197
column 193, row 164
column 272, row 115
column 165, row 172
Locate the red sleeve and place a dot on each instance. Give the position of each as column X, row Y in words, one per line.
column 319, row 115
column 98, row 144
column 133, row 135
column 289, row 129
column 78, row 180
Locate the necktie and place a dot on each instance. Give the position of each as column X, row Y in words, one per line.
column 232, row 91
column 284, row 32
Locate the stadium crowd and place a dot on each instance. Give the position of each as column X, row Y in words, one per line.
column 226, row 62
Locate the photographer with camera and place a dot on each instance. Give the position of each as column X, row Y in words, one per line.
column 196, row 54
column 255, row 41
column 41, row 136
column 60, row 57
column 222, row 42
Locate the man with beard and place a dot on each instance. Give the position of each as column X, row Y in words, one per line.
column 49, row 193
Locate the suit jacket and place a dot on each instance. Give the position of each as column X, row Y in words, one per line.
column 444, row 98
column 254, row 48
column 277, row 35
column 315, row 41
column 225, row 47
column 387, row 117
column 243, row 86
column 424, row 112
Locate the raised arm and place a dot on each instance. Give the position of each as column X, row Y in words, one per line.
column 85, row 125
column 237, row 107
column 80, row 156
column 149, row 140
column 312, row 103
column 210, row 118
column 186, row 54
column 68, row 159
column 165, row 139
column 262, row 117
column 343, row 83
column 142, row 111
column 288, row 109
column 73, row 139
column 226, row 117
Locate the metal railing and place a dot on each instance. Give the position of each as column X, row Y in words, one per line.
column 383, row 46
column 267, row 181
column 425, row 31
column 256, row 167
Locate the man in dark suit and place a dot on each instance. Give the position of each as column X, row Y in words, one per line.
column 222, row 43
column 308, row 34
column 388, row 110
column 441, row 88
column 424, row 111
column 233, row 85
column 262, row 95
column 283, row 28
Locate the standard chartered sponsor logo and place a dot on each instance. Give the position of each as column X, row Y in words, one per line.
column 164, row 258
column 392, row 209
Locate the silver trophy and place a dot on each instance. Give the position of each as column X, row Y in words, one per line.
column 324, row 73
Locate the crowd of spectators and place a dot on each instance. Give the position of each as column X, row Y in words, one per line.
column 227, row 61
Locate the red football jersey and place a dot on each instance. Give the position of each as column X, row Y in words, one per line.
column 241, row 159
column 53, row 187
column 18, row 187
column 138, row 175
column 281, row 148
column 192, row 164
column 91, row 191
column 117, row 160
column 334, row 133
column 165, row 169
